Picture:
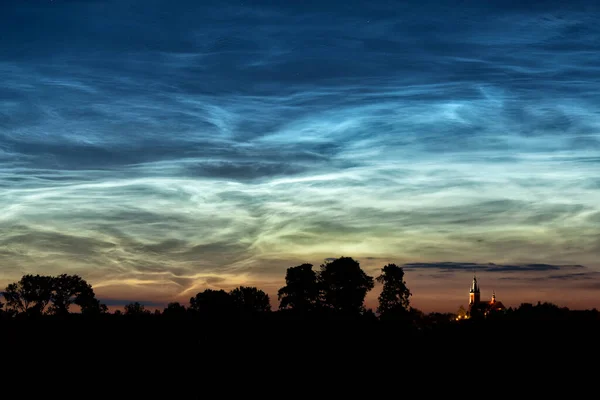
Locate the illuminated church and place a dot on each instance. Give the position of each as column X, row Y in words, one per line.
column 482, row 307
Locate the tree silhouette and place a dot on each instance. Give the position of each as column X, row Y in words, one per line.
column 301, row 292
column 249, row 300
column 394, row 296
column 174, row 310
column 30, row 295
column 135, row 309
column 344, row 285
column 72, row 289
column 89, row 304
column 212, row 303
column 541, row 311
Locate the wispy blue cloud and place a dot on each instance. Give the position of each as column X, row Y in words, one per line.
column 159, row 145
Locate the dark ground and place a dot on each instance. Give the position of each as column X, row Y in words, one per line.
column 149, row 357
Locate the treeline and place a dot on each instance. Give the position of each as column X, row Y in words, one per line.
column 335, row 291
column 339, row 288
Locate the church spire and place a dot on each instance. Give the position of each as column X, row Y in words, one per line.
column 474, row 285
column 474, row 297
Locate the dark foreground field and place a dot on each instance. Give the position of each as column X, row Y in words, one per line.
column 186, row 339
column 149, row 357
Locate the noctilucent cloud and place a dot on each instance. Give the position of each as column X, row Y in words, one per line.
column 158, row 148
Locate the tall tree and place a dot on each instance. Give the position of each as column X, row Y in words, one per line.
column 301, row 290
column 249, row 300
column 212, row 303
column 72, row 289
column 394, row 296
column 30, row 295
column 344, row 285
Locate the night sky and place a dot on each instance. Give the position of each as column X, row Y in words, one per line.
column 158, row 148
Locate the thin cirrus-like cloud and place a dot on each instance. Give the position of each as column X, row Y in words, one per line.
column 499, row 268
column 246, row 139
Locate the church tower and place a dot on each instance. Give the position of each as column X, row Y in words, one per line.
column 474, row 292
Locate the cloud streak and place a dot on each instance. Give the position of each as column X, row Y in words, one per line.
column 494, row 268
